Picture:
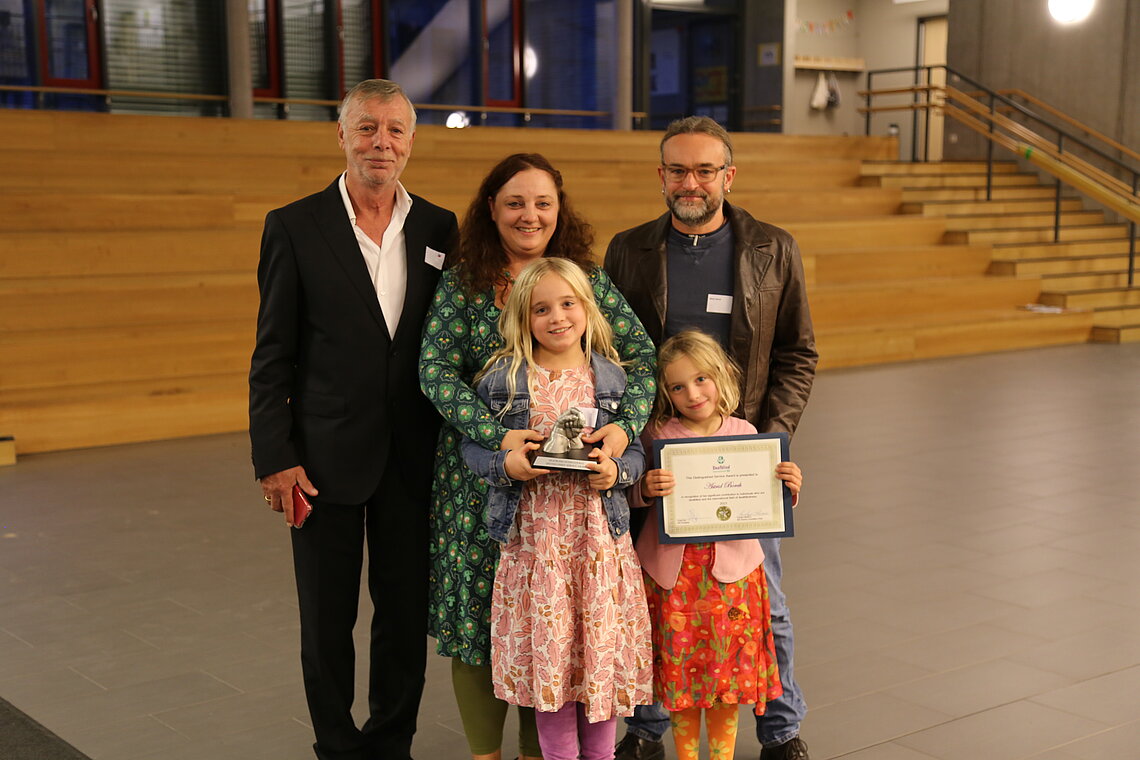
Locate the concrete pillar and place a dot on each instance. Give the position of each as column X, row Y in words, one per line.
column 623, row 89
column 238, row 58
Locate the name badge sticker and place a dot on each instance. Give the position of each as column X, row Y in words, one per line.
column 719, row 304
column 434, row 258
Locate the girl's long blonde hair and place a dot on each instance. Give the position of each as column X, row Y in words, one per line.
column 706, row 353
column 514, row 322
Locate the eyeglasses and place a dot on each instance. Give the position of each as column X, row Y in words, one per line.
column 676, row 173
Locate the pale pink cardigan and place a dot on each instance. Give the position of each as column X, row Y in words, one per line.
column 732, row 560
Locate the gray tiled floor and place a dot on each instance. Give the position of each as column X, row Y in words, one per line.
column 965, row 583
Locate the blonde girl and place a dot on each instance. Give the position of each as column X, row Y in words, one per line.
column 569, row 622
column 712, row 637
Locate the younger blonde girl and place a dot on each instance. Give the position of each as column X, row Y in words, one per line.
column 712, row 636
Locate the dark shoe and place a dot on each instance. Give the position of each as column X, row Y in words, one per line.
column 635, row 748
column 793, row 749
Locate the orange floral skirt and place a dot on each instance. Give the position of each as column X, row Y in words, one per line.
column 712, row 641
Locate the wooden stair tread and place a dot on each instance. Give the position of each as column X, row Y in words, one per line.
column 994, row 207
column 874, row 167
column 43, row 358
column 931, row 319
column 126, row 252
column 897, row 340
column 51, row 419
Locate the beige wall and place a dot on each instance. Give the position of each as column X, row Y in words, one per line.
column 883, row 34
column 1090, row 70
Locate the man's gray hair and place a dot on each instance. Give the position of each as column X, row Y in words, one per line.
column 385, row 89
column 698, row 125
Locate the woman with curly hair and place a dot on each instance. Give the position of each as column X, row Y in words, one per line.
column 520, row 213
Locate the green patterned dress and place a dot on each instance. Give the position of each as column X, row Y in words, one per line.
column 460, row 334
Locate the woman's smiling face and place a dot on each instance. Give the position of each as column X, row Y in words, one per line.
column 525, row 210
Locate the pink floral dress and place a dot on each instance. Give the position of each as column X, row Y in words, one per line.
column 569, row 621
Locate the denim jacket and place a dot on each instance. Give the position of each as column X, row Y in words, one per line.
column 504, row 493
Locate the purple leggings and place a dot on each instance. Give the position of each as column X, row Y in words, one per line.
column 566, row 733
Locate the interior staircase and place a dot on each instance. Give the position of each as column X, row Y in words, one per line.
column 1081, row 266
column 128, row 247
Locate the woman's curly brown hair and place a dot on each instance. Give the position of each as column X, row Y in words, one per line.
column 480, row 258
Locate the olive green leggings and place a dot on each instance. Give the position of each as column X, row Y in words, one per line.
column 483, row 713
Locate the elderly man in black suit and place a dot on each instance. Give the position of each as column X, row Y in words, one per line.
column 346, row 276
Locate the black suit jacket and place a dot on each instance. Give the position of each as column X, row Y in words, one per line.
column 329, row 388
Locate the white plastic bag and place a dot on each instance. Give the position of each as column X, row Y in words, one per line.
column 820, row 94
column 832, row 90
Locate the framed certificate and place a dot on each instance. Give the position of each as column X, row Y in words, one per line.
column 726, row 488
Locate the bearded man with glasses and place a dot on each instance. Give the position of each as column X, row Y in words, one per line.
column 709, row 265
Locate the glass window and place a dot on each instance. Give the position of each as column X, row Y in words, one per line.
column 165, row 46
column 305, row 27
column 356, row 32
column 66, row 22
column 569, row 59
column 430, row 53
column 15, row 53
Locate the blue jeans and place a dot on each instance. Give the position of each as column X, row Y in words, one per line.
column 781, row 721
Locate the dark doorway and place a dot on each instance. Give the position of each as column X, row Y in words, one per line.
column 692, row 67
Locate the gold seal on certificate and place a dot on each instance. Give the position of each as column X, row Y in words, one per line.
column 726, row 488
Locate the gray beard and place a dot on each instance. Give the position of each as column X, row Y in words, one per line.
column 694, row 216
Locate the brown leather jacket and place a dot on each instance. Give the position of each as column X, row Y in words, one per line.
column 771, row 334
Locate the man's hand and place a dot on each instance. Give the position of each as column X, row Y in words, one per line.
column 277, row 489
column 613, row 439
column 793, row 478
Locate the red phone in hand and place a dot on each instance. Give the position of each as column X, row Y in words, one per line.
column 302, row 508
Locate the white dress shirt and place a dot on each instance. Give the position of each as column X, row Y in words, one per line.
column 387, row 263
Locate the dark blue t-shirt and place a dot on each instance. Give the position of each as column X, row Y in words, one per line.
column 700, row 282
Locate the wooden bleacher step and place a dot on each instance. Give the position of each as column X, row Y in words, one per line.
column 872, row 167
column 847, row 265
column 936, row 335
column 976, row 207
column 65, row 303
column 1006, row 221
column 1037, row 235
column 1068, row 282
column 127, row 411
column 1116, row 325
column 42, row 211
column 1059, row 265
column 1098, row 298
column 867, row 233
column 46, row 359
column 874, row 302
column 956, row 182
column 113, row 329
column 130, row 252
column 1021, row 192
column 1003, row 251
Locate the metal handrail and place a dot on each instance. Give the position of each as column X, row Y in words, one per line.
column 1012, row 92
column 993, row 94
column 524, row 112
column 1067, row 169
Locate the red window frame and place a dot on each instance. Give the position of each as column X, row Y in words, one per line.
column 94, row 70
column 272, row 53
column 516, row 58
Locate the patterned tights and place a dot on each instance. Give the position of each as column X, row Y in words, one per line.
column 720, row 722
